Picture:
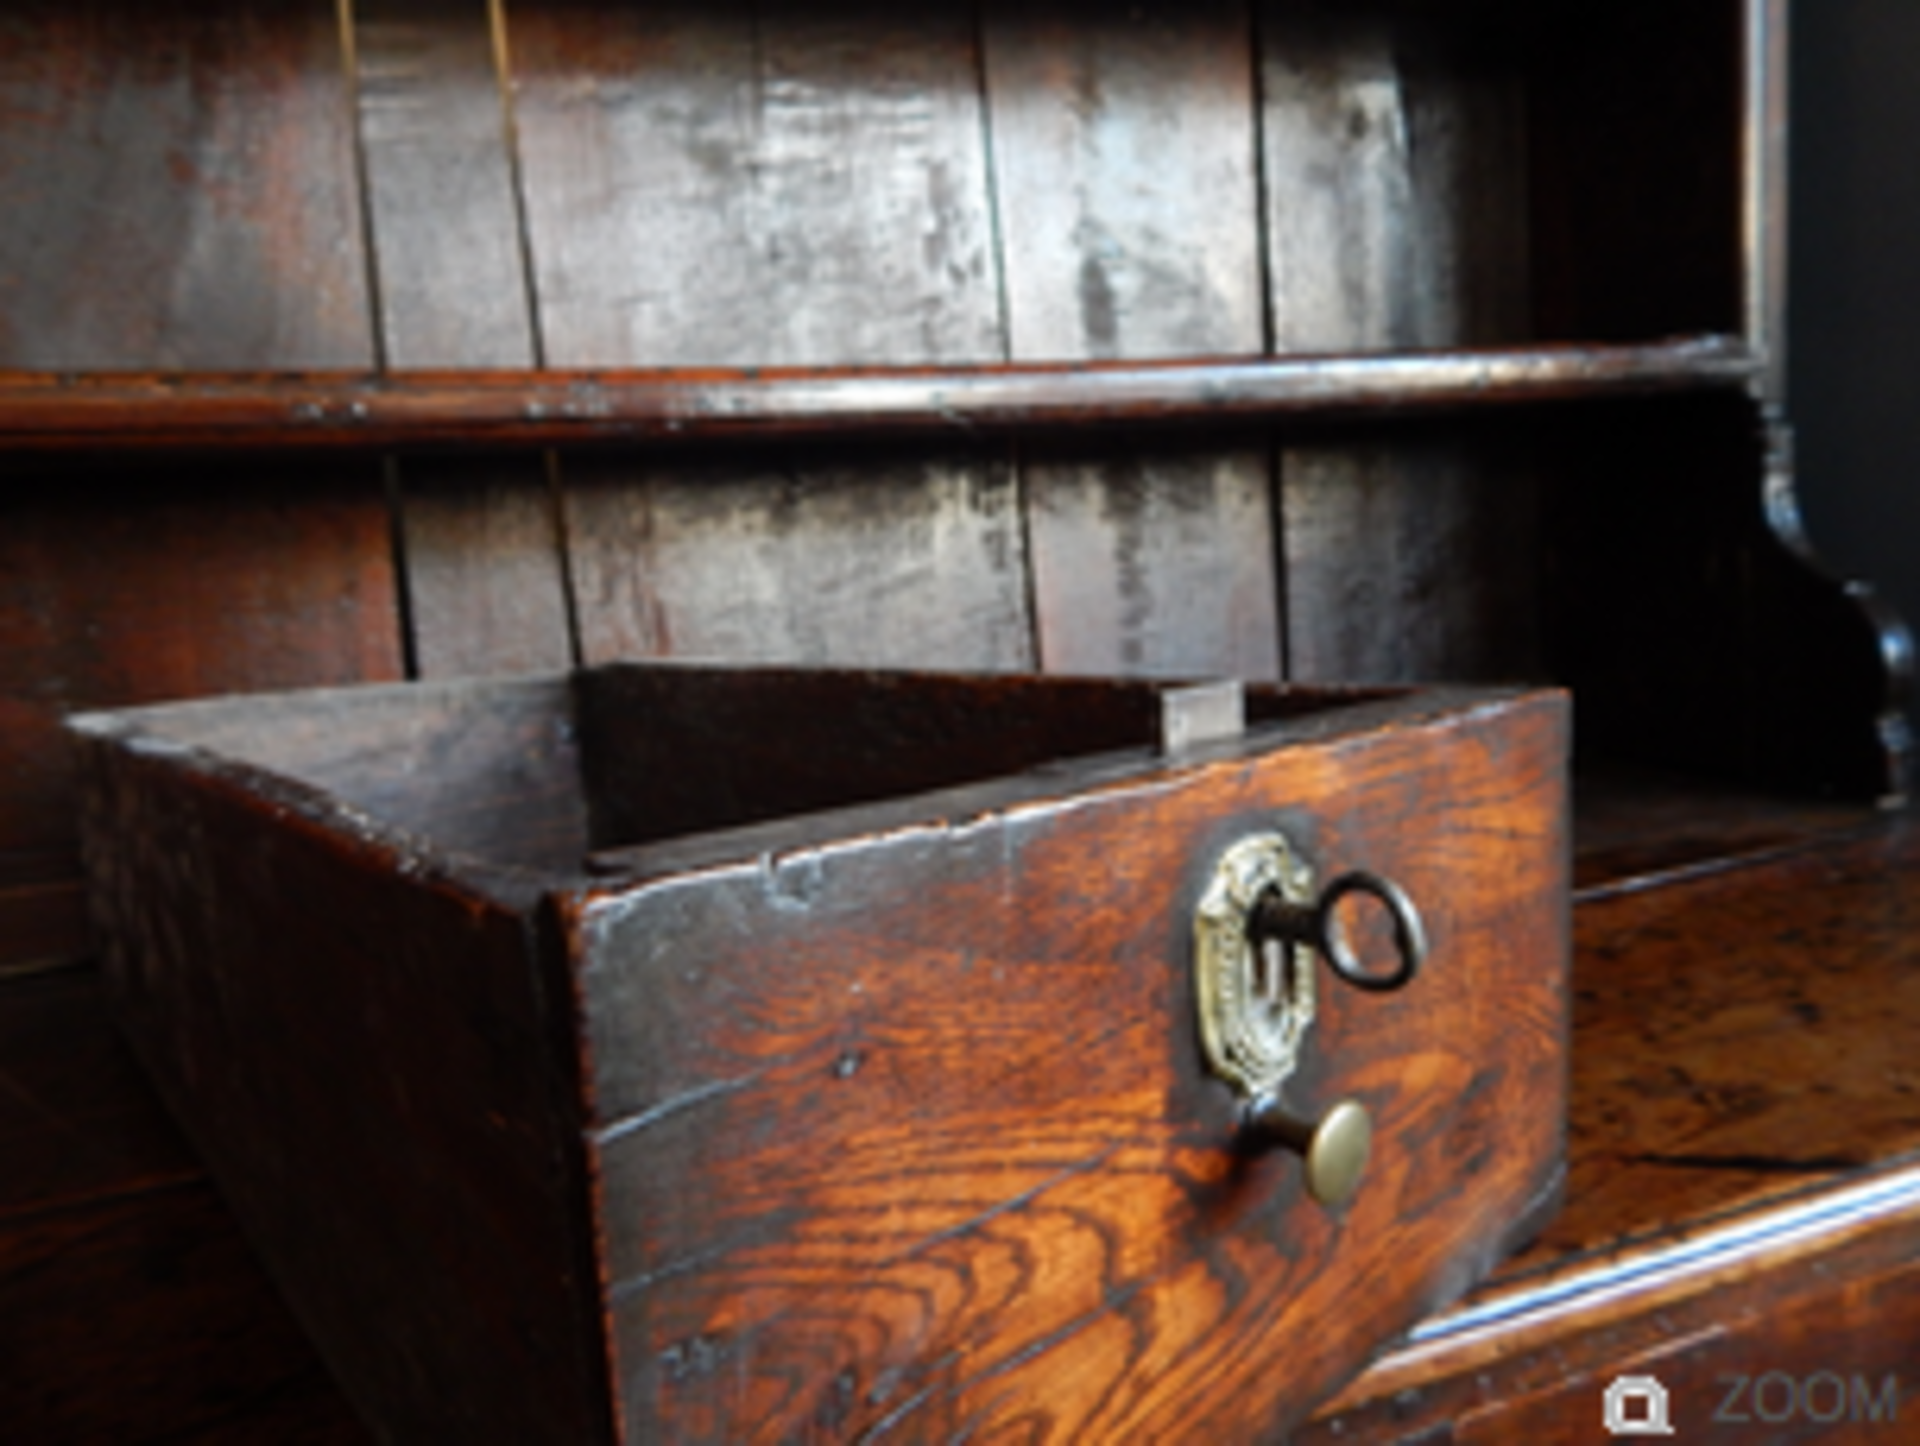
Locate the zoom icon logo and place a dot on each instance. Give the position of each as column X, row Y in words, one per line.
column 1636, row 1406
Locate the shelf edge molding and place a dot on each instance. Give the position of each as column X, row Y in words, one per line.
column 138, row 411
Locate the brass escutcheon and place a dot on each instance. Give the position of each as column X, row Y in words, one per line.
column 1256, row 998
column 1257, row 931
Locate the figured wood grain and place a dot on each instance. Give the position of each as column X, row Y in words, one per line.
column 1817, row 1293
column 1741, row 1195
column 720, row 185
column 953, row 1167
column 1811, row 953
column 1395, row 207
column 1831, row 1297
column 1125, row 189
column 182, row 194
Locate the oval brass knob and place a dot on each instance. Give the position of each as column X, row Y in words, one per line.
column 1335, row 1150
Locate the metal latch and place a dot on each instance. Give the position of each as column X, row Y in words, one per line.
column 1257, row 930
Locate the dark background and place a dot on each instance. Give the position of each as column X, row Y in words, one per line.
column 1853, row 325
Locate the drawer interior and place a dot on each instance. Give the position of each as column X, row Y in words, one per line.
column 540, row 773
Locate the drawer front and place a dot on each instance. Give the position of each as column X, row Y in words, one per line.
column 913, row 1136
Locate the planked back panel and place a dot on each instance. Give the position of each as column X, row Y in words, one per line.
column 182, row 193
column 403, row 184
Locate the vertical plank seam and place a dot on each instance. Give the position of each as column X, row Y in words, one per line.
column 1262, row 199
column 369, row 254
column 996, row 240
column 1263, row 259
column 563, row 541
column 1029, row 579
column 995, row 234
column 516, row 176
column 552, row 468
column 392, row 484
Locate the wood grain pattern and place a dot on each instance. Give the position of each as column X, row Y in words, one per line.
column 1744, row 1111
column 919, row 561
column 954, row 1168
column 207, row 412
column 485, row 771
column 1413, row 559
column 442, row 211
column 1342, row 252
column 1638, row 828
column 480, row 540
column 1395, row 215
column 727, row 187
column 487, row 590
column 1810, row 954
column 956, row 1151
column 423, row 1207
column 183, row 195
column 723, row 185
column 1125, row 185
column 154, row 586
column 117, row 1260
column 1836, row 1301
column 844, row 739
column 1821, row 1292
column 114, row 1248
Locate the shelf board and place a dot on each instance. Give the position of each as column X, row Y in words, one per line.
column 41, row 412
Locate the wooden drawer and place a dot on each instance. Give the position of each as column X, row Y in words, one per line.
column 672, row 1053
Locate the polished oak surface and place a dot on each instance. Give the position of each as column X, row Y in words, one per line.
column 1744, row 1175
column 825, row 1104
column 1741, row 1150
column 235, row 223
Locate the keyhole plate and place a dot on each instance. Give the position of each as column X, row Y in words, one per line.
column 1256, row 1001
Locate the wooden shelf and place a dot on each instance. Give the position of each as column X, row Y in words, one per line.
column 127, row 411
column 1743, row 1152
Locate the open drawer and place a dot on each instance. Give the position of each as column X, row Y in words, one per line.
column 669, row 1053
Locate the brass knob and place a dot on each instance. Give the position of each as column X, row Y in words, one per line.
column 1335, row 1150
